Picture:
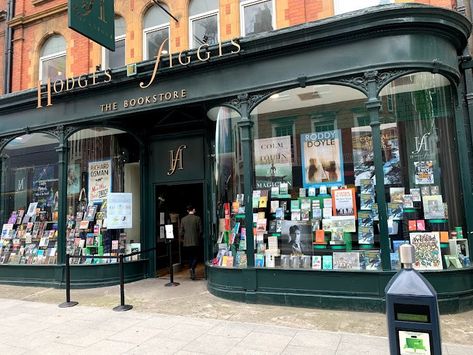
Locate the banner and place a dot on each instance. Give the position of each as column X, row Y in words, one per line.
column 273, row 162
column 322, row 161
column 100, row 180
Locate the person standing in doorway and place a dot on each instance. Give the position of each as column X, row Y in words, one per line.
column 190, row 232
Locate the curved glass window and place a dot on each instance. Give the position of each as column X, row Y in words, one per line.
column 203, row 22
column 52, row 61
column 29, row 197
column 230, row 247
column 422, row 174
column 103, row 194
column 305, row 199
column 155, row 32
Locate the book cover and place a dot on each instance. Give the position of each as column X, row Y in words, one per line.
column 347, row 223
column 365, row 219
column 263, row 201
column 259, row 260
column 317, row 262
column 295, row 205
column 366, row 201
column 423, row 172
column 274, row 191
column 366, row 186
column 327, row 262
column 295, row 215
column 317, row 213
column 270, row 260
column 370, row 260
column 427, row 250
column 395, row 261
column 337, row 236
column 283, row 188
column 343, row 202
column 397, row 244
column 420, row 224
column 274, row 206
column 327, row 212
column 433, row 207
column 327, row 203
column 366, row 235
column 434, row 190
column 444, row 237
column 416, row 196
column 255, row 199
column 346, row 261
column 229, row 261
column 320, row 236
column 395, row 210
column 412, row 225
column 273, row 243
column 425, row 191
column 302, row 192
column 311, row 192
column 396, row 194
column 408, row 201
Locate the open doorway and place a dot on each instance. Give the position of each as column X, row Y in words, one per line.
column 171, row 203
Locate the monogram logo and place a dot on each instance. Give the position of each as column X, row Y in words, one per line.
column 421, row 144
column 175, row 160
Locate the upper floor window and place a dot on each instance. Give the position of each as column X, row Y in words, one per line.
column 52, row 60
column 342, row 6
column 117, row 58
column 155, row 32
column 203, row 22
column 257, row 16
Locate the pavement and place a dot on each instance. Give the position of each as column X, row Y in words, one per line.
column 187, row 319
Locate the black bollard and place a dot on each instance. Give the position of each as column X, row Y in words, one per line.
column 68, row 302
column 171, row 282
column 122, row 307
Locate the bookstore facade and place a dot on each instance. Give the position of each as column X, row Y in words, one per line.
column 312, row 161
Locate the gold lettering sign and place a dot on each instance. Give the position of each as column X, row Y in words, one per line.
column 175, row 160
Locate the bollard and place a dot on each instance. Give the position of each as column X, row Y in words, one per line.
column 171, row 282
column 412, row 310
column 122, row 307
column 68, row 302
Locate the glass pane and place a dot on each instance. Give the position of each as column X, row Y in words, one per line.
column 117, row 59
column 154, row 40
column 29, row 200
column 155, row 16
column 306, row 205
column 54, row 69
column 53, row 45
column 200, row 6
column 204, row 30
column 120, row 26
column 258, row 17
column 230, row 247
column 102, row 161
column 423, row 190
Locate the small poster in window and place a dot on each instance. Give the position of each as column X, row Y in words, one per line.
column 119, row 210
column 100, row 180
column 322, row 161
column 344, row 202
column 423, row 172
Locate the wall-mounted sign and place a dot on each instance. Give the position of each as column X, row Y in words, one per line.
column 94, row 19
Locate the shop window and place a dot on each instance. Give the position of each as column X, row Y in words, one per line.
column 29, row 200
column 52, row 61
column 257, row 16
column 103, row 194
column 342, row 6
column 422, row 174
column 155, row 32
column 203, row 22
column 230, row 246
column 115, row 59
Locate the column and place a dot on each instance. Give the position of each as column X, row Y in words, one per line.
column 62, row 151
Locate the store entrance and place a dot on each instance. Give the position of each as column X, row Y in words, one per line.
column 171, row 202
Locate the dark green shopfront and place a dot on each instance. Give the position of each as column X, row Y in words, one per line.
column 336, row 141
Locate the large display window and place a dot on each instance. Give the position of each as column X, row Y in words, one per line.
column 29, row 200
column 103, row 195
column 422, row 177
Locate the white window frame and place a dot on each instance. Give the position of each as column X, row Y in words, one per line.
column 247, row 3
column 105, row 58
column 199, row 17
column 49, row 57
column 148, row 30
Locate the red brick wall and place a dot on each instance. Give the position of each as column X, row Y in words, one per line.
column 3, row 26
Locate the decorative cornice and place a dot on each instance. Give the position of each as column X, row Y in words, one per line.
column 381, row 79
column 23, row 20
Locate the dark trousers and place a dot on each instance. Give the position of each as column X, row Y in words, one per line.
column 191, row 254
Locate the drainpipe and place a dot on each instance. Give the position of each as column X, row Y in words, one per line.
column 9, row 50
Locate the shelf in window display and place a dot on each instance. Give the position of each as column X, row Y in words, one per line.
column 444, row 245
column 437, row 221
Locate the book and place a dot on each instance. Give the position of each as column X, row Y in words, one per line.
column 270, row 260
column 327, row 262
column 397, row 244
column 316, row 262
column 395, row 210
column 327, row 212
column 320, row 237
column 366, row 186
column 423, row 172
column 302, row 192
column 420, row 224
column 229, row 261
column 283, row 188
column 444, row 237
column 407, row 201
column 274, row 191
column 259, row 260
column 412, row 225
column 370, row 260
column 366, row 201
column 263, row 199
column 256, row 197
column 343, row 202
column 346, row 261
column 274, row 206
column 366, row 235
column 427, row 250
column 347, row 223
column 311, row 192
column 395, row 261
column 396, row 194
column 425, row 191
column 433, row 207
column 415, row 192
column 365, row 219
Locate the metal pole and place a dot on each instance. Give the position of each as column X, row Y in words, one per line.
column 122, row 307
column 171, row 282
column 68, row 302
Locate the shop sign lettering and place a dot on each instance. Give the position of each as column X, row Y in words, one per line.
column 175, row 160
column 202, row 54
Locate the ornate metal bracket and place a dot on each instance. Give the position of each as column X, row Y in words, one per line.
column 380, row 77
column 251, row 100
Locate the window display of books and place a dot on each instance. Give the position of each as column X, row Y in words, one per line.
column 29, row 237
